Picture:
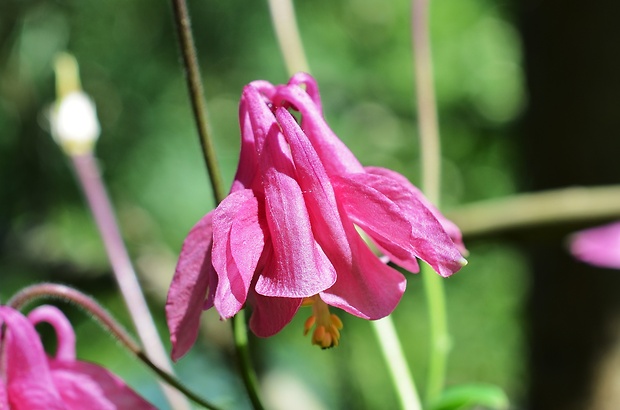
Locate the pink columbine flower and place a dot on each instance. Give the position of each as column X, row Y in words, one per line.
column 598, row 246
column 287, row 234
column 32, row 381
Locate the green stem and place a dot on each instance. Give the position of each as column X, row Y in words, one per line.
column 397, row 363
column 431, row 177
column 196, row 93
column 284, row 21
column 194, row 85
column 240, row 335
column 425, row 95
column 68, row 294
column 287, row 33
column 531, row 210
column 439, row 335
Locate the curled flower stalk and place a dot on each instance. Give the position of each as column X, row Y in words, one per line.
column 287, row 232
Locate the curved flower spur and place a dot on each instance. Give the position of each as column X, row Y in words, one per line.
column 286, row 234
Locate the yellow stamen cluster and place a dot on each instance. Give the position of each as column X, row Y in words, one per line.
column 327, row 331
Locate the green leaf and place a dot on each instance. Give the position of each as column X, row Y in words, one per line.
column 466, row 396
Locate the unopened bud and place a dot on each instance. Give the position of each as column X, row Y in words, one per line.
column 73, row 118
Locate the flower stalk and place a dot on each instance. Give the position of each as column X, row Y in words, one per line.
column 431, row 186
column 75, row 127
column 535, row 209
column 287, row 33
column 196, row 92
column 289, row 39
column 397, row 363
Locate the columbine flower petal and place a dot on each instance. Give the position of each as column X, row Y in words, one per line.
column 287, row 232
column 319, row 194
column 88, row 386
column 299, row 267
column 4, row 399
column 271, row 314
column 407, row 197
column 371, row 290
column 404, row 233
column 598, row 246
column 238, row 241
column 193, row 277
column 334, row 155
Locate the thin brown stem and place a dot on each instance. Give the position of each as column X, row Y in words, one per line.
column 194, row 84
column 196, row 93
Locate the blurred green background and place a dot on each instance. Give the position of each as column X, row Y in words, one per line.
column 360, row 53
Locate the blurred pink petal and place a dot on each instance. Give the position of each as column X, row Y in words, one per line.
column 30, row 380
column 25, row 371
column 598, row 246
column 86, row 385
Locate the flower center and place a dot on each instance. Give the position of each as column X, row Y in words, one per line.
column 327, row 325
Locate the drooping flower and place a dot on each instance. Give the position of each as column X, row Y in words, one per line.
column 599, row 246
column 287, row 234
column 32, row 381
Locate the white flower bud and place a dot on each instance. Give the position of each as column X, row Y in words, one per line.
column 74, row 123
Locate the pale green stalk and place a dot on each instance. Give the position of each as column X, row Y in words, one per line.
column 431, row 176
column 536, row 209
column 283, row 17
column 287, row 33
column 397, row 363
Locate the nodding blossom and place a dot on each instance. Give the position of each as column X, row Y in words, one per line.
column 599, row 246
column 29, row 380
column 288, row 234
